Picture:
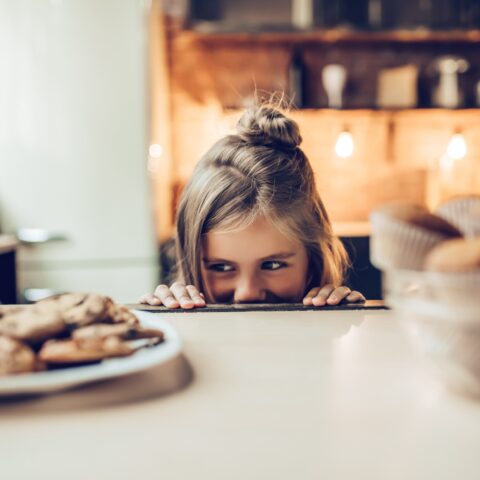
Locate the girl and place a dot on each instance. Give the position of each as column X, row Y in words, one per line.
column 251, row 226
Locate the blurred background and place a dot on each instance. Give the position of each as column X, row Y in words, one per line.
column 106, row 106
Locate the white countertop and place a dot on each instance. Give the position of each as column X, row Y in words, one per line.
column 304, row 395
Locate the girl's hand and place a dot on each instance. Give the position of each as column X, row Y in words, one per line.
column 177, row 296
column 329, row 295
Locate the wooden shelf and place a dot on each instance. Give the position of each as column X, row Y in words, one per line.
column 395, row 110
column 345, row 111
column 335, row 36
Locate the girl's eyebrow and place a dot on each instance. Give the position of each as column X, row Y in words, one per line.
column 279, row 256
column 276, row 256
column 216, row 260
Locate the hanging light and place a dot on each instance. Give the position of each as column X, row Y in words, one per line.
column 344, row 145
column 155, row 150
column 456, row 151
column 457, row 147
column 451, row 172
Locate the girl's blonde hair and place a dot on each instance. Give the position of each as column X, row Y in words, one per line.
column 260, row 171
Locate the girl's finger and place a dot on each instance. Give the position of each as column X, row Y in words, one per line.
column 354, row 297
column 337, row 295
column 321, row 298
column 143, row 298
column 166, row 296
column 180, row 292
column 195, row 296
column 308, row 297
column 150, row 299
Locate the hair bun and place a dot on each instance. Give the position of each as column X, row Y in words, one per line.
column 268, row 126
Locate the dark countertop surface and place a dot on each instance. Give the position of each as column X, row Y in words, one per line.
column 262, row 307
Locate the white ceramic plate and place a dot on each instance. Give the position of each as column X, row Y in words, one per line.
column 54, row 380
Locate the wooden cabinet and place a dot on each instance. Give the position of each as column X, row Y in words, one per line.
column 212, row 77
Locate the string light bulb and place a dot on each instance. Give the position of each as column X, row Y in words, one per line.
column 344, row 146
column 457, row 147
column 155, row 150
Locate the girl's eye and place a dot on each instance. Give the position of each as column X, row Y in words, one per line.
column 220, row 267
column 273, row 265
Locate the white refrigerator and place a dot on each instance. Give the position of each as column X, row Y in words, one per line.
column 73, row 146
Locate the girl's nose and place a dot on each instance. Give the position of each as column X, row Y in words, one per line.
column 248, row 291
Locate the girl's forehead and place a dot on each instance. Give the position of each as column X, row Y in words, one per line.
column 259, row 239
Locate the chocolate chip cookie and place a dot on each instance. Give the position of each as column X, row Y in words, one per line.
column 91, row 308
column 84, row 350
column 125, row 331
column 15, row 357
column 32, row 324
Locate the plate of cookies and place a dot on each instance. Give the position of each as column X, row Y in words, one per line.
column 76, row 338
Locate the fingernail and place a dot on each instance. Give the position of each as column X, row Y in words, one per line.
column 318, row 301
column 186, row 302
